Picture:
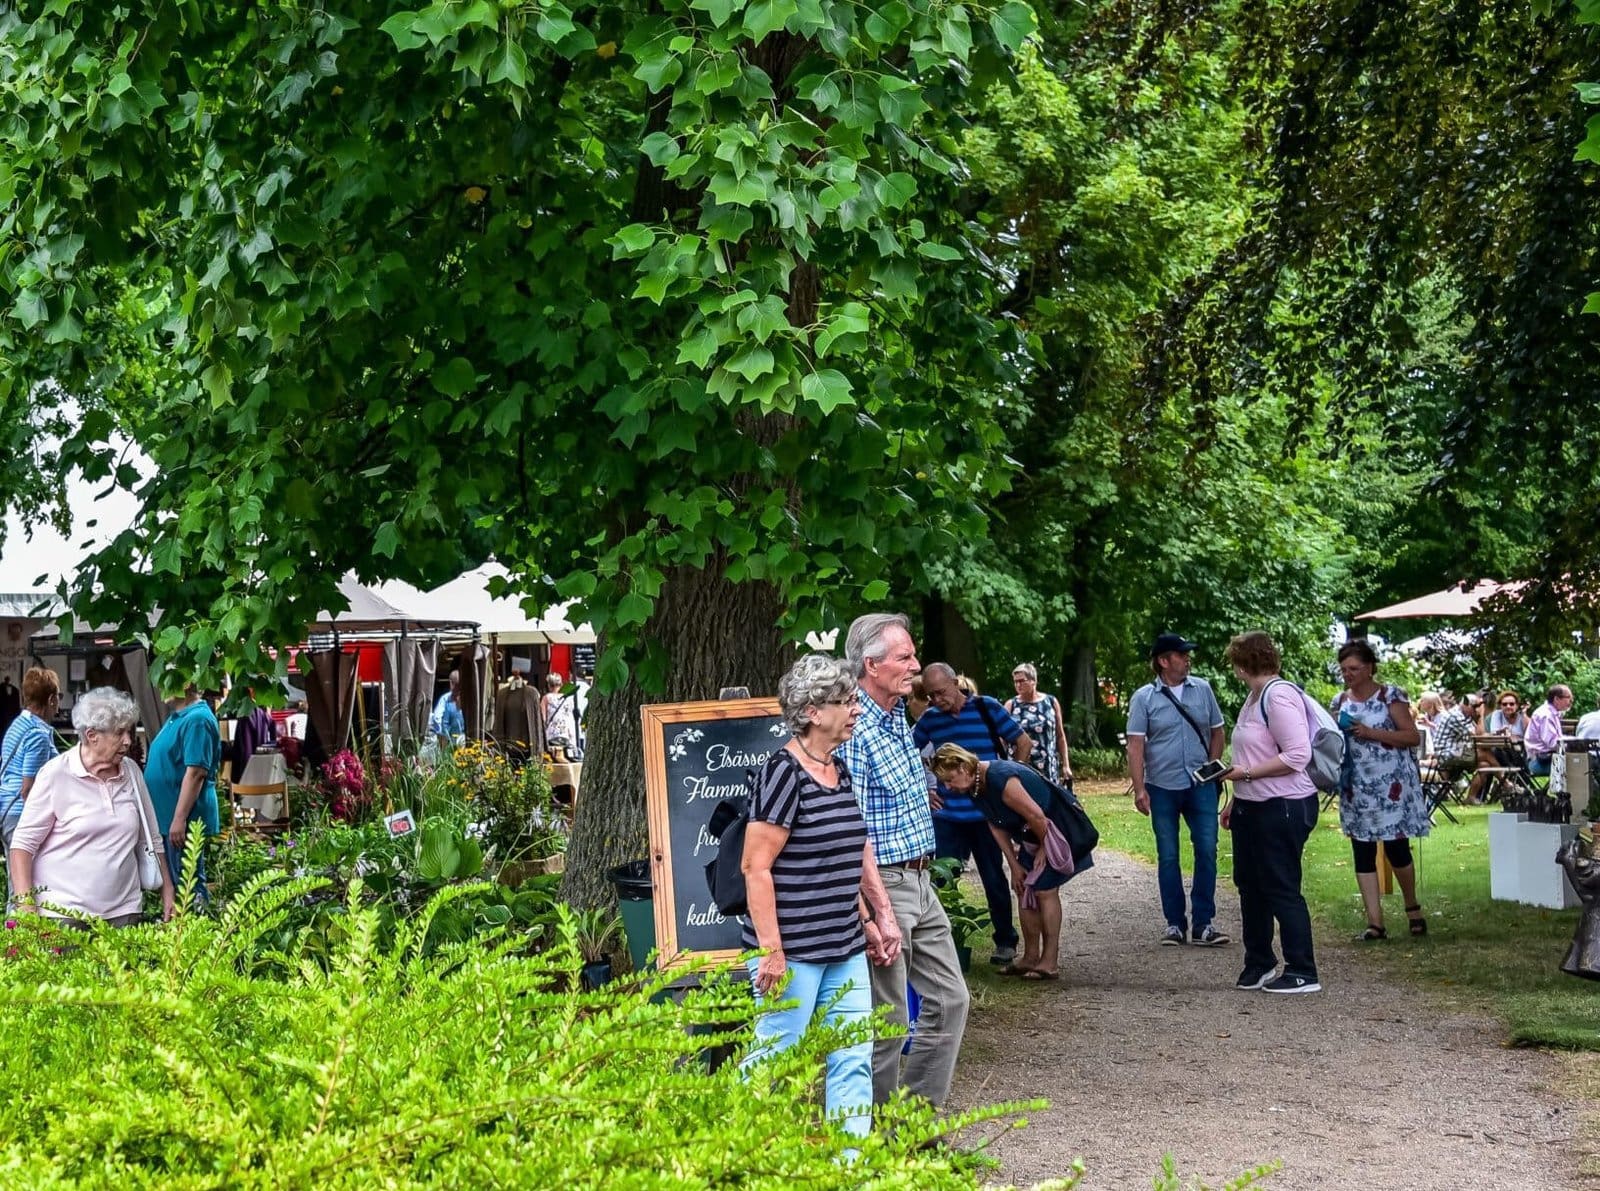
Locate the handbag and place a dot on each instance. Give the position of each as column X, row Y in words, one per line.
column 145, row 849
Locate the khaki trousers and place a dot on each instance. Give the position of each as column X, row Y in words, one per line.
column 928, row 959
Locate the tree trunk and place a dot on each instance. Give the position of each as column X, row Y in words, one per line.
column 717, row 634
column 948, row 638
column 1080, row 697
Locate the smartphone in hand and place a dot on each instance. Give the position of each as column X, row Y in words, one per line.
column 1209, row 772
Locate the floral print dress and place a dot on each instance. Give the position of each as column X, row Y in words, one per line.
column 1038, row 720
column 1380, row 794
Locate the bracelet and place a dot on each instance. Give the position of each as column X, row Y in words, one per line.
column 1245, row 776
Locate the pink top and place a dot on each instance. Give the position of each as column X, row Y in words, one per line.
column 1289, row 741
column 83, row 833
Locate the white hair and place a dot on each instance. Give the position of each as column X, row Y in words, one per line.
column 1027, row 670
column 814, row 680
column 104, row 709
column 866, row 638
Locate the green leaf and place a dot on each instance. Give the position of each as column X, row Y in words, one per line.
column 896, row 190
column 660, row 148
column 762, row 17
column 937, row 252
column 719, row 10
column 1012, row 24
column 633, row 608
column 456, row 377
column 510, row 65
column 402, row 28
column 387, row 540
column 31, row 309
column 875, row 592
column 631, row 240
column 1592, row 304
column 827, row 389
column 699, row 348
column 751, row 361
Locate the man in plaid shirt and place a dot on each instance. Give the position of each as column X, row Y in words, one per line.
column 892, row 788
column 1452, row 740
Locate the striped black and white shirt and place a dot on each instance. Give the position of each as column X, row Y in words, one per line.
column 817, row 876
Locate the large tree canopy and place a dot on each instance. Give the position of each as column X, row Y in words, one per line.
column 670, row 306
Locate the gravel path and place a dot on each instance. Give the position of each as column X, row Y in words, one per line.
column 1143, row 1050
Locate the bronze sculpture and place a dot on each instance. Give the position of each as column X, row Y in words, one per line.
column 1584, row 873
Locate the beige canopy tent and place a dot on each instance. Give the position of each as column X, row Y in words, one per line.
column 501, row 618
column 1453, row 602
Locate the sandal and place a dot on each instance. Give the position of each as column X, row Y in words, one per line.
column 1040, row 974
column 1372, row 934
column 1014, row 970
column 1419, row 926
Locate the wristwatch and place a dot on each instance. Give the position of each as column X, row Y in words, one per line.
column 1244, row 775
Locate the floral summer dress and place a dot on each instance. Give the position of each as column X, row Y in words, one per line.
column 1038, row 720
column 1380, row 794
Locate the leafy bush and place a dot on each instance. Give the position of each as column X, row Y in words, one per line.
column 1099, row 763
column 158, row 1057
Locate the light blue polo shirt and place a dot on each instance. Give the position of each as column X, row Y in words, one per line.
column 189, row 737
column 1172, row 748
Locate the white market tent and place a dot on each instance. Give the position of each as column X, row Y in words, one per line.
column 466, row 599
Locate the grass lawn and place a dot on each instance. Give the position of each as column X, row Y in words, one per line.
column 1490, row 955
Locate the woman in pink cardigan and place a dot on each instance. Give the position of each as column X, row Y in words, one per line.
column 1271, row 813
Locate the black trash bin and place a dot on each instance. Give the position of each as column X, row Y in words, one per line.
column 637, row 905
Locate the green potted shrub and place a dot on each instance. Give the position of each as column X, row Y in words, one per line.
column 595, row 933
column 967, row 918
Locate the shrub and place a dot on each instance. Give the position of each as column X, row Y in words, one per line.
column 157, row 1057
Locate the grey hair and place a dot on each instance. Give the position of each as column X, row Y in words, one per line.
column 866, row 638
column 939, row 670
column 104, row 709
column 812, row 681
column 1028, row 670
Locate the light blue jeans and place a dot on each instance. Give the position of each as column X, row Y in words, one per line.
column 843, row 993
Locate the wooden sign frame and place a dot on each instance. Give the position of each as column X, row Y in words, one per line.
column 653, row 719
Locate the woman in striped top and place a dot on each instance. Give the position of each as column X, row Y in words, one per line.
column 818, row 910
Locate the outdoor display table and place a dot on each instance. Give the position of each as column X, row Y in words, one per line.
column 1522, row 861
column 565, row 773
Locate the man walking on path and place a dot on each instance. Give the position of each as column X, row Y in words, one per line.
column 984, row 728
column 887, row 772
column 1175, row 727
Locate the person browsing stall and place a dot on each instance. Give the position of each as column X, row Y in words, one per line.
column 982, row 726
column 1174, row 729
column 887, row 773
column 182, row 775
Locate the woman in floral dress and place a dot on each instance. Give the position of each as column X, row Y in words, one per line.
column 1039, row 715
column 1380, row 799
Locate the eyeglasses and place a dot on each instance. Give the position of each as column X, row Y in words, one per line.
column 1508, row 703
column 853, row 701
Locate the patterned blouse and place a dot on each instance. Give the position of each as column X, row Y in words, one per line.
column 1038, row 720
column 1380, row 793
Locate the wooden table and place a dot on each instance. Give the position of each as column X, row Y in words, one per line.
column 566, row 773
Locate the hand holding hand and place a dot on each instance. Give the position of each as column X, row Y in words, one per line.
column 770, row 971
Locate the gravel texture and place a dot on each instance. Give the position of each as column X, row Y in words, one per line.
column 1144, row 1050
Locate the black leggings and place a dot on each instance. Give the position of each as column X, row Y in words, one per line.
column 1397, row 850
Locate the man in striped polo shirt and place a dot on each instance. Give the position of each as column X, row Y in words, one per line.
column 886, row 771
column 983, row 727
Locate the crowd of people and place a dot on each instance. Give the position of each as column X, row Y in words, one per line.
column 892, row 765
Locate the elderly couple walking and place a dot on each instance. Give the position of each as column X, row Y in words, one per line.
column 836, row 863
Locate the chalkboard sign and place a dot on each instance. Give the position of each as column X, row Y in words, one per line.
column 695, row 755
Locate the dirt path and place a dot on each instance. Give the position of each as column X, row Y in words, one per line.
column 1143, row 1049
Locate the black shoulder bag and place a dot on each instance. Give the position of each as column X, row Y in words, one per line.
column 725, row 870
column 1002, row 750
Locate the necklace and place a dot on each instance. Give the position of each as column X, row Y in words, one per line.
column 824, row 760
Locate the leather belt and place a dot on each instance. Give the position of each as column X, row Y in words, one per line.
column 919, row 865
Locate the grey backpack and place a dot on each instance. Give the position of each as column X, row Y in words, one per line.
column 1327, row 739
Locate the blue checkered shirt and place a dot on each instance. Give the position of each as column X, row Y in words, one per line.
column 890, row 783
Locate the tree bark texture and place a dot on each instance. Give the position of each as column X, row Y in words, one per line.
column 1081, row 697
column 718, row 634
column 948, row 638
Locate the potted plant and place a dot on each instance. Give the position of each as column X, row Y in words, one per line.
column 967, row 918
column 595, row 933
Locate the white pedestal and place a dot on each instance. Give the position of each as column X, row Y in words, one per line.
column 1542, row 881
column 1505, row 883
column 1578, row 781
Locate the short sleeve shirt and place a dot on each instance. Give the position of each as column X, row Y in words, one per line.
column 816, row 878
column 970, row 730
column 190, row 737
column 1172, row 748
column 29, row 743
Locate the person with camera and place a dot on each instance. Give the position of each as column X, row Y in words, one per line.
column 1175, row 738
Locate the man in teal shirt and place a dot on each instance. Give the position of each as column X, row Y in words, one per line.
column 181, row 772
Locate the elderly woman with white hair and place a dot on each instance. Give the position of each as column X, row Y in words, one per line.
column 818, row 909
column 76, row 850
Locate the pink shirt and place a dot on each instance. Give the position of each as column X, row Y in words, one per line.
column 1289, row 741
column 82, row 833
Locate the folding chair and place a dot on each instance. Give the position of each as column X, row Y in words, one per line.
column 1122, row 739
column 1438, row 788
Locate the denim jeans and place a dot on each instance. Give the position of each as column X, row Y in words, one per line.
column 841, row 992
column 952, row 837
column 1268, row 840
column 1198, row 808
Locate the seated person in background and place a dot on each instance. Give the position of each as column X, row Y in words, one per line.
column 1507, row 718
column 1453, row 751
column 1589, row 724
column 1429, row 708
column 1543, row 735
